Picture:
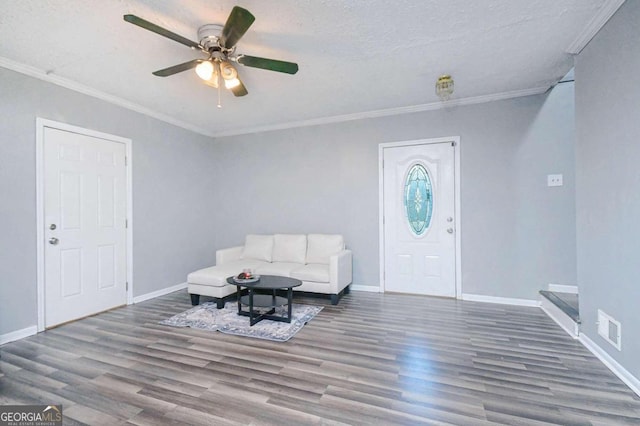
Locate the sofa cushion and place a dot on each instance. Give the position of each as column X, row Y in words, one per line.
column 217, row 275
column 207, row 276
column 259, row 247
column 282, row 269
column 289, row 248
column 322, row 246
column 312, row 272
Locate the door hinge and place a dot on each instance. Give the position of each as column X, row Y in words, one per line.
column 126, row 223
column 125, row 160
column 453, row 144
column 126, row 285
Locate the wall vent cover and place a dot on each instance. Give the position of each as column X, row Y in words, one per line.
column 610, row 329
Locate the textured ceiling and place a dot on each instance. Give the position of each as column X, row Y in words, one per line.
column 355, row 56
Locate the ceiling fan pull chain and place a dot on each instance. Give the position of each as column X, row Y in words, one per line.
column 219, row 96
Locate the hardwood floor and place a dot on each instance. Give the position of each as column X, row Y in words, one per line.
column 373, row 359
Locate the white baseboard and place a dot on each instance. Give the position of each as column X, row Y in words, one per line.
column 369, row 288
column 159, row 293
column 628, row 378
column 30, row 331
column 560, row 318
column 500, row 300
column 18, row 334
column 573, row 289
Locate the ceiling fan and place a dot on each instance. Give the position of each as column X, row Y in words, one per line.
column 219, row 44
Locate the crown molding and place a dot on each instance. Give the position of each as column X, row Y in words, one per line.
column 386, row 112
column 77, row 87
column 86, row 90
column 602, row 16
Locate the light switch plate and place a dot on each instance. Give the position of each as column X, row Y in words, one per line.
column 554, row 180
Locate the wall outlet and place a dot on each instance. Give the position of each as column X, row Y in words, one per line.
column 554, row 180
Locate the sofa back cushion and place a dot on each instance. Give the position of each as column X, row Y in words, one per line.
column 259, row 247
column 321, row 246
column 289, row 248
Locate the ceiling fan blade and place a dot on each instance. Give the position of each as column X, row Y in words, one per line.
column 268, row 64
column 237, row 24
column 239, row 90
column 159, row 30
column 177, row 68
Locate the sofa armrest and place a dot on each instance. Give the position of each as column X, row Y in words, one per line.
column 229, row 254
column 340, row 270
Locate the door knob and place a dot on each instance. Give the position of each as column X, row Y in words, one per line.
column 53, row 241
column 450, row 230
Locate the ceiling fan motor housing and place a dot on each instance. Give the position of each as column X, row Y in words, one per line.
column 209, row 35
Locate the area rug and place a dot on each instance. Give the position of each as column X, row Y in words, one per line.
column 227, row 320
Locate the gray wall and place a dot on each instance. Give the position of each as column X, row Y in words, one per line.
column 608, row 181
column 173, row 191
column 518, row 234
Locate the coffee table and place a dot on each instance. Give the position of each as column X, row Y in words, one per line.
column 253, row 299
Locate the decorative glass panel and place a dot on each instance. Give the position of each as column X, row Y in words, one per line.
column 418, row 199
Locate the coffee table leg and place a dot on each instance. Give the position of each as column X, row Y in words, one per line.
column 239, row 293
column 289, row 301
column 251, row 320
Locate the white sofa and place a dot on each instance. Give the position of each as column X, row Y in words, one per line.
column 320, row 261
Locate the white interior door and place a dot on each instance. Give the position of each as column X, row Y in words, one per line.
column 85, row 229
column 419, row 219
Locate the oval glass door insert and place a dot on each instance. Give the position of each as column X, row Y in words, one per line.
column 418, row 199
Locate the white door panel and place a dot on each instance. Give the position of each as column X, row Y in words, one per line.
column 85, row 233
column 419, row 212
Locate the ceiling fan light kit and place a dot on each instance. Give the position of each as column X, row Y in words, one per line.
column 229, row 74
column 219, row 44
column 204, row 70
column 444, row 87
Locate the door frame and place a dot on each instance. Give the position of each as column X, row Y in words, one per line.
column 41, row 124
column 458, row 229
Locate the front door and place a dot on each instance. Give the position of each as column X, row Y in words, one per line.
column 85, row 225
column 419, row 219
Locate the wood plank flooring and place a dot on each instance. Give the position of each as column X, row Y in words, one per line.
column 374, row 359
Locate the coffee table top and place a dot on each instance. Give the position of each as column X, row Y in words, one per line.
column 269, row 282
